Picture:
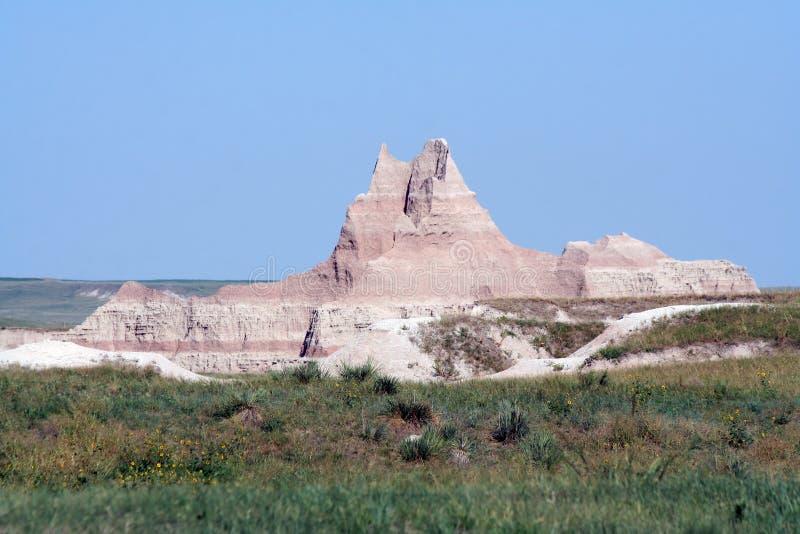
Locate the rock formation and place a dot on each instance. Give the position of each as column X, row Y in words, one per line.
column 417, row 244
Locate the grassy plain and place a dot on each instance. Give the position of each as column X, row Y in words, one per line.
column 693, row 447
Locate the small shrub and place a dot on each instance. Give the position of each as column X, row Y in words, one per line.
column 420, row 448
column 560, row 405
column 738, row 436
column 781, row 419
column 639, row 392
column 418, row 413
column 610, row 353
column 445, row 367
column 387, row 385
column 620, row 432
column 543, row 449
column 239, row 401
column 763, row 378
column 512, row 423
column 307, row 373
column 357, row 373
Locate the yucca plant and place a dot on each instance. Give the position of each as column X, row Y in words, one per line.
column 308, row 372
column 372, row 432
column 422, row 447
column 387, row 385
column 512, row 423
column 357, row 373
column 417, row 412
column 242, row 404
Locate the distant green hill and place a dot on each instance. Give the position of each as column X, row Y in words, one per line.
column 51, row 303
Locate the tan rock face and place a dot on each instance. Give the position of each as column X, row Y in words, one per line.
column 417, row 244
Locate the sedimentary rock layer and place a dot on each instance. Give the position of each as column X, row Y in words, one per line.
column 417, row 244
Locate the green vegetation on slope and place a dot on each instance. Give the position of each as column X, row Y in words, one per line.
column 712, row 446
column 599, row 309
column 558, row 338
column 476, row 341
column 777, row 324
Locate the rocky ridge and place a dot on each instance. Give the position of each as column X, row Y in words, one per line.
column 417, row 244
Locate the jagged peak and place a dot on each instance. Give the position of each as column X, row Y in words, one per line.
column 390, row 175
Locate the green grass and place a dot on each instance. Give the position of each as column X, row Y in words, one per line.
column 710, row 446
column 420, row 503
column 357, row 372
column 777, row 324
column 558, row 338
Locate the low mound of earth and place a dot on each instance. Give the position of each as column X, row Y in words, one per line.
column 65, row 355
column 417, row 244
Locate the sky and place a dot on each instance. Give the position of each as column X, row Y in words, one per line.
column 146, row 140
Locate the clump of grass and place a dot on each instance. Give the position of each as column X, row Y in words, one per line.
column 357, row 373
column 242, row 403
column 422, row 447
column 512, row 423
column 589, row 380
column 639, row 392
column 461, row 450
column 387, row 385
column 611, row 352
column 559, row 405
column 448, row 431
column 543, row 449
column 307, row 373
column 270, row 424
column 416, row 412
column 373, row 432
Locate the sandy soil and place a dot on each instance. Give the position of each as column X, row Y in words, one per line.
column 388, row 345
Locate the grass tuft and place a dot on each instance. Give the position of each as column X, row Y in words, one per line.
column 387, row 385
column 422, row 447
column 512, row 423
column 416, row 412
column 307, row 373
column 357, row 373
column 543, row 449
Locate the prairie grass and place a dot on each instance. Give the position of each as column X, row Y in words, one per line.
column 307, row 372
column 121, row 449
column 387, row 385
column 777, row 324
column 357, row 372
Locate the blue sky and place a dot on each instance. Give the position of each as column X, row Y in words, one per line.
column 197, row 139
